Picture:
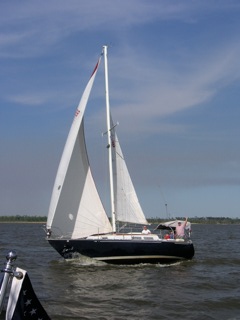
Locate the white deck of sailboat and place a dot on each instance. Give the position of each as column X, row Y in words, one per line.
column 131, row 236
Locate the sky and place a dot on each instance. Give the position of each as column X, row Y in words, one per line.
column 174, row 81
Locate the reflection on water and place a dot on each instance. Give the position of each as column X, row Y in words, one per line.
column 206, row 287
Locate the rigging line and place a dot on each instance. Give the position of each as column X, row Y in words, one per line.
column 120, row 156
column 115, row 125
column 168, row 215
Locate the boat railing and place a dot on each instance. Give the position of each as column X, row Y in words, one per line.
column 17, row 297
column 9, row 272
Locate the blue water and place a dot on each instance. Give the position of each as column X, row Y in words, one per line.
column 207, row 287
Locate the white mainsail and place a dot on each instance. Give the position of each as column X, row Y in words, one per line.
column 76, row 209
column 127, row 206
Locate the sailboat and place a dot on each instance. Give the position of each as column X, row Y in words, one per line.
column 78, row 224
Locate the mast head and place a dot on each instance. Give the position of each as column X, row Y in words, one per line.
column 105, row 49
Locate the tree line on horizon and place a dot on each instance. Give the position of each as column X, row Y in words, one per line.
column 25, row 218
column 156, row 220
column 202, row 220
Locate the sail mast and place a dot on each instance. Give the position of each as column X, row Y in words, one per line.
column 109, row 140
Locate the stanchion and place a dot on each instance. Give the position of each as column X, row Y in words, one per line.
column 8, row 273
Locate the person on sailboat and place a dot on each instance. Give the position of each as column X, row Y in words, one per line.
column 180, row 229
column 146, row 230
column 167, row 236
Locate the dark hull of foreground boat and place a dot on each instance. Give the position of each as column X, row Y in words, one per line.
column 125, row 252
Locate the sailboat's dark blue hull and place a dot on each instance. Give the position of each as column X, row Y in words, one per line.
column 125, row 251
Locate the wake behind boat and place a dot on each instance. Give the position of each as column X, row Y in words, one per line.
column 77, row 221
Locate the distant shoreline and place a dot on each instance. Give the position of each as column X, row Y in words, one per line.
column 195, row 220
column 39, row 222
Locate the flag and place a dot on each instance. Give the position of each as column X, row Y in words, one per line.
column 23, row 302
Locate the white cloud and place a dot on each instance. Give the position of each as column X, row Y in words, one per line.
column 148, row 90
column 26, row 100
column 34, row 27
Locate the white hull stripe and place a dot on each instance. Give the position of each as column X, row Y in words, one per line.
column 139, row 257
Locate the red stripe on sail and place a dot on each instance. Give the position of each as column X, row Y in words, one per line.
column 77, row 113
column 95, row 68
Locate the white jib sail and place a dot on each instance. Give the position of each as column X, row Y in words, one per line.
column 76, row 209
column 127, row 206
